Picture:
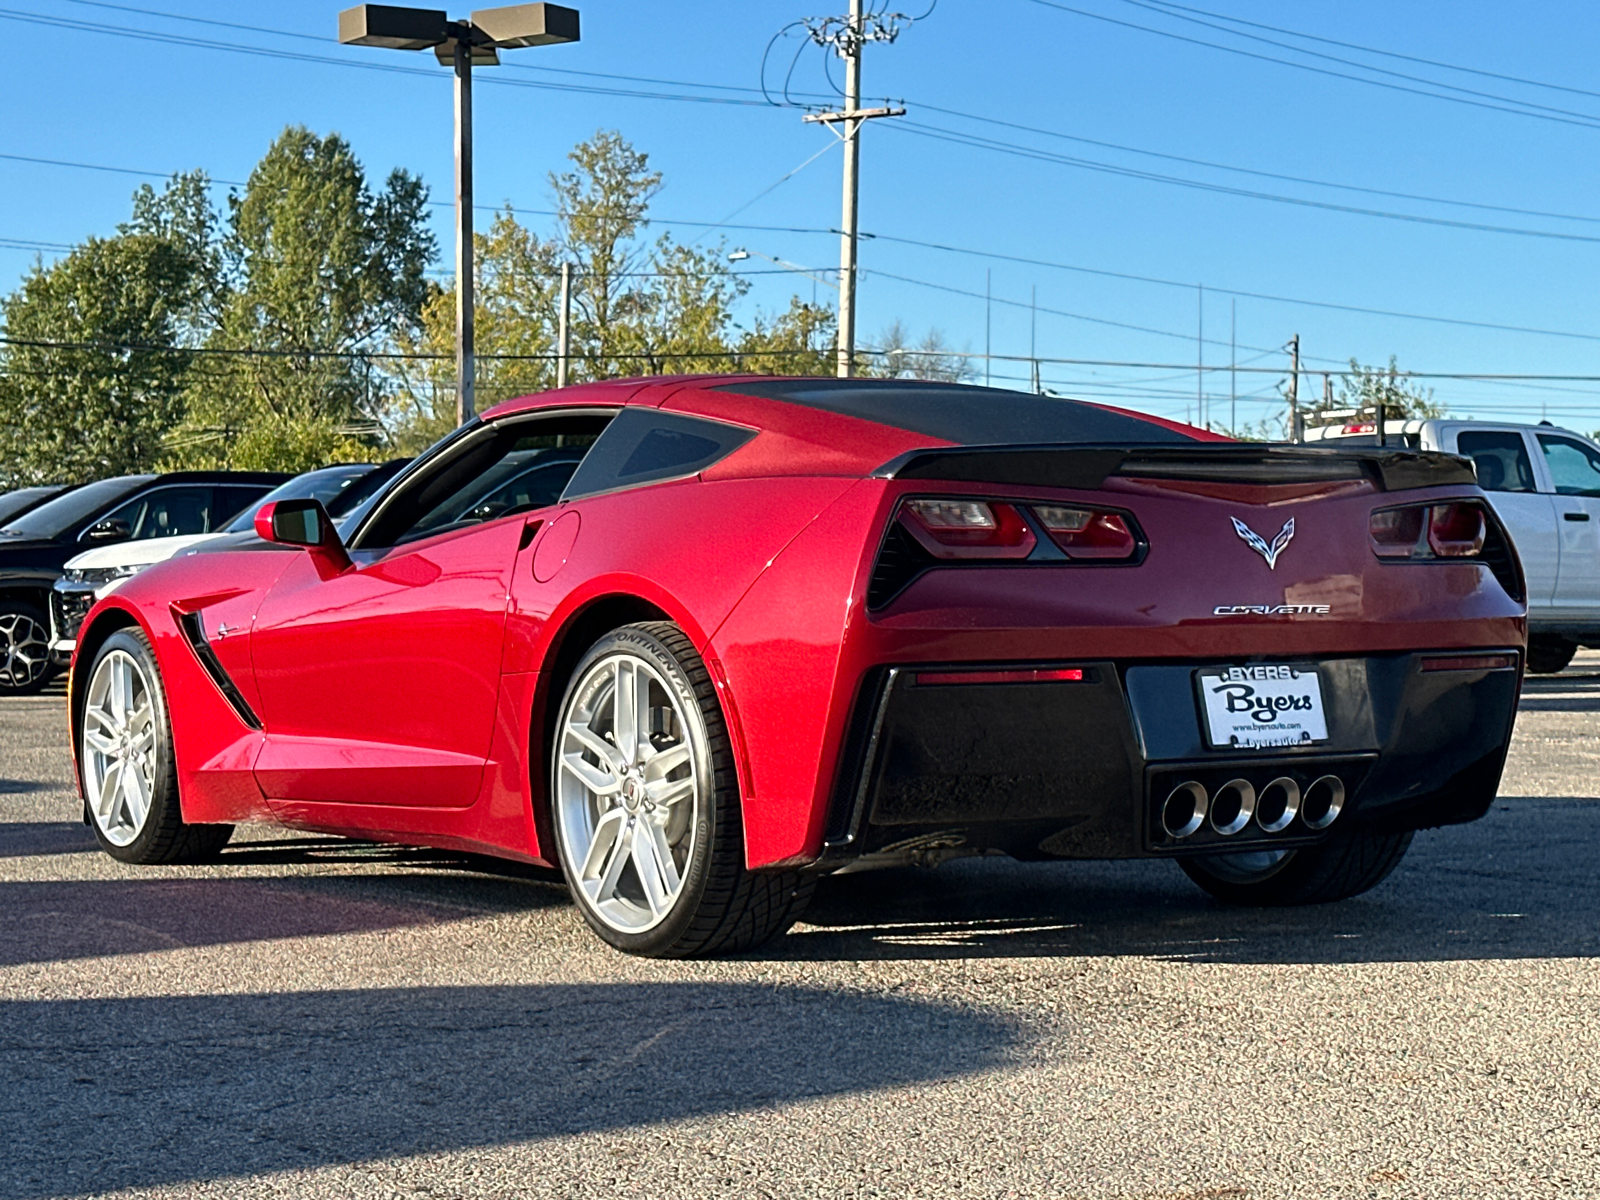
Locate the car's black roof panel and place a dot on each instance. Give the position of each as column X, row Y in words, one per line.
column 964, row 413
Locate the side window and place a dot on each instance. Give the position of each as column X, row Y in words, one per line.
column 166, row 512
column 497, row 470
column 1574, row 467
column 231, row 501
column 645, row 445
column 1501, row 458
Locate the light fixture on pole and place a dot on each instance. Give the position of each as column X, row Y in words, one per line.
column 476, row 41
column 741, row 254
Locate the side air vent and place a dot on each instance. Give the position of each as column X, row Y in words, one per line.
column 899, row 562
column 1497, row 555
column 194, row 632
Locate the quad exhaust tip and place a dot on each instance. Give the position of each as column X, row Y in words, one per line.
column 1324, row 801
column 1233, row 806
column 1184, row 810
column 1278, row 805
column 1188, row 807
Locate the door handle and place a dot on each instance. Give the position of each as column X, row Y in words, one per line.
column 1577, row 516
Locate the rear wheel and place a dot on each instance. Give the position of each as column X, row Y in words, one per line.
column 130, row 777
column 24, row 648
column 646, row 808
column 1339, row 868
column 1549, row 653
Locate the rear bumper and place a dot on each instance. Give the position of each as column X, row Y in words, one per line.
column 1082, row 768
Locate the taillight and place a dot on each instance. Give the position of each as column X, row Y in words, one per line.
column 1456, row 530
column 1424, row 531
column 969, row 529
column 1087, row 533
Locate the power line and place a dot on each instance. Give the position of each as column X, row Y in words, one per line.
column 1178, row 283
column 1361, row 66
column 1582, row 120
column 1430, row 62
column 1218, row 166
column 1021, row 151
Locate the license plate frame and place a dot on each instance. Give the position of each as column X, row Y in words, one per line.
column 1234, row 702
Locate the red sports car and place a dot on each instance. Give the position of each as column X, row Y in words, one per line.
column 702, row 640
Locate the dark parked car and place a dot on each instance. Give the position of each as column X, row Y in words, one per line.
column 97, row 572
column 34, row 546
column 13, row 504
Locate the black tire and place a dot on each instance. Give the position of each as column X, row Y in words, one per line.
column 25, row 664
column 1549, row 653
column 165, row 837
column 722, row 908
column 1341, row 867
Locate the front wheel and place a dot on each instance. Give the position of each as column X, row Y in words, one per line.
column 645, row 802
column 1343, row 866
column 24, row 648
column 130, row 777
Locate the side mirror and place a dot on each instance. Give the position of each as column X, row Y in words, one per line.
column 302, row 523
column 112, row 529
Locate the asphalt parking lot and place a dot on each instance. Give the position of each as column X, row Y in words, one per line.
column 315, row 1017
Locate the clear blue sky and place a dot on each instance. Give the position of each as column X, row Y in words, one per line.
column 102, row 97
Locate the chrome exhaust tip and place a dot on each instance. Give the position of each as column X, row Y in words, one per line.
column 1323, row 802
column 1278, row 805
column 1184, row 810
column 1233, row 806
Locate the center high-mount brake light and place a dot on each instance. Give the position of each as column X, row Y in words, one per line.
column 969, row 529
column 1087, row 533
column 1428, row 531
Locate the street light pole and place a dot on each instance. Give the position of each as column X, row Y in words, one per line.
column 466, row 367
column 459, row 44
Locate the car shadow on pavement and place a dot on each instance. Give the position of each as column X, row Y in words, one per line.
column 1521, row 883
column 59, row 920
column 29, row 839
column 108, row 1094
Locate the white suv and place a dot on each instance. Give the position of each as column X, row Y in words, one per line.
column 1544, row 482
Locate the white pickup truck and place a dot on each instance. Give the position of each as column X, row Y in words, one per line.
column 1544, row 482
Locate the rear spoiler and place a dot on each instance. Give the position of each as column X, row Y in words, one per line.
column 1072, row 466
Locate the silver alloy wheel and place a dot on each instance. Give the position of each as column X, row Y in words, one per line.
column 24, row 650
column 628, row 790
column 119, row 747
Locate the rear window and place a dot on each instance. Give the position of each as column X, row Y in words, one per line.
column 1501, row 458
column 965, row 415
column 645, row 445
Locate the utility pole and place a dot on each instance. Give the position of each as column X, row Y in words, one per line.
column 466, row 356
column 563, row 333
column 1233, row 366
column 988, row 308
column 857, row 30
column 1200, row 355
column 1033, row 338
column 1294, row 388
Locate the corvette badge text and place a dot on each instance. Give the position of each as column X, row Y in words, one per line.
column 1271, row 610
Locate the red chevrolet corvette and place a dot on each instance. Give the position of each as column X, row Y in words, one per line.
column 702, row 640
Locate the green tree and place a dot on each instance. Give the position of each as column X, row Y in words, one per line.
column 313, row 272
column 1364, row 387
column 640, row 306
column 90, row 380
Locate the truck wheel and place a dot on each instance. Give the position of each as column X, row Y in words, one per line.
column 1549, row 653
column 645, row 801
column 24, row 648
column 1341, row 867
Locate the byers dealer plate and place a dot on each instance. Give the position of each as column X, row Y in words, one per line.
column 1262, row 706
